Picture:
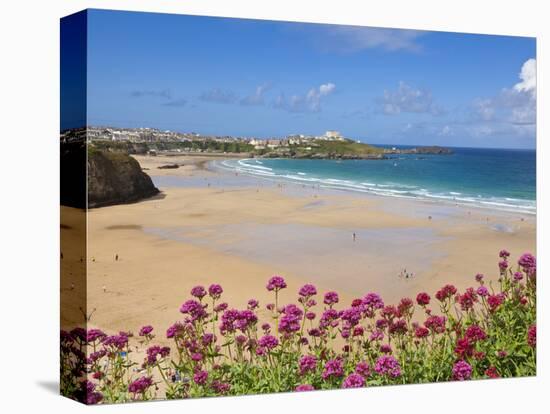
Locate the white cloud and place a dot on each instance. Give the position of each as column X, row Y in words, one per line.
column 408, row 99
column 257, row 98
column 480, row 131
column 528, row 76
column 310, row 102
column 326, row 88
column 484, row 109
column 355, row 38
column 218, row 95
column 515, row 105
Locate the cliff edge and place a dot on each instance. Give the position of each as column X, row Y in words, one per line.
column 116, row 178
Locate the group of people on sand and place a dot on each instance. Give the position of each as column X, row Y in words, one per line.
column 404, row 274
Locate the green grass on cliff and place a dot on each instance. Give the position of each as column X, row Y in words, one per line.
column 345, row 147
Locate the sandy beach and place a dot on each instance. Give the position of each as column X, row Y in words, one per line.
column 210, row 226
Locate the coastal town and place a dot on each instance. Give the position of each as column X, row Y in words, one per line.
column 152, row 135
column 152, row 141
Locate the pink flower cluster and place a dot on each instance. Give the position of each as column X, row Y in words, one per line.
column 216, row 349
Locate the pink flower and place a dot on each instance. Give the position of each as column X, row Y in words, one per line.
column 503, row 265
column 333, row 368
column 291, row 320
column 198, row 292
column 482, row 291
column 385, row 349
column 532, row 336
column 268, row 342
column 421, row 332
column 95, row 334
column 331, row 298
column 363, row 369
column 405, row 306
column 528, row 263
column 492, row 372
column 307, row 363
column 358, row 331
column 467, row 299
column 175, row 330
column 215, row 291
column 310, row 315
column 145, row 330
column 387, row 365
column 140, row 385
column 305, row 387
column 221, row 387
column 153, row 352
column 353, row 381
column 475, row 333
column 464, row 347
column 445, row 292
column 494, row 301
column 276, row 283
column 436, row 323
column 200, row 377
column 307, row 291
column 462, row 371
column 194, row 309
column 423, row 299
column 372, row 302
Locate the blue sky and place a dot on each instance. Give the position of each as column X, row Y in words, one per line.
column 270, row 79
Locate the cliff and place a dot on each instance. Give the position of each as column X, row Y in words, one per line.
column 116, row 178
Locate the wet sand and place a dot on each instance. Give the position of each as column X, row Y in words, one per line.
column 217, row 227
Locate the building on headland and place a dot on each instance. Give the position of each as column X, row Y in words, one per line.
column 332, row 136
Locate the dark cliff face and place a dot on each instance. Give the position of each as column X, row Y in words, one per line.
column 73, row 174
column 116, row 178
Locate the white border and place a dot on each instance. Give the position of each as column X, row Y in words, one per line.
column 30, row 175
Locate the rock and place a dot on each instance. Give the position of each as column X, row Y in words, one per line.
column 168, row 166
column 433, row 149
column 116, row 178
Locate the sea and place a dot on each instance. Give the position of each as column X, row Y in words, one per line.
column 499, row 179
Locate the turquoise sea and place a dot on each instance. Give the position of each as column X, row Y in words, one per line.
column 502, row 179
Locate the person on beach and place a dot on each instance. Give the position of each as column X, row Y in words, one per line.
column 116, row 257
column 354, row 236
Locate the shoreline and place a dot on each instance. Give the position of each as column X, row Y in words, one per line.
column 228, row 229
column 370, row 189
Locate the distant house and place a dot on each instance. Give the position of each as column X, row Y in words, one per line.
column 273, row 143
column 257, row 143
column 333, row 136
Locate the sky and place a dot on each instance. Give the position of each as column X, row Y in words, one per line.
column 265, row 79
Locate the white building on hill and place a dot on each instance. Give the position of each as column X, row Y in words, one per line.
column 333, row 136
